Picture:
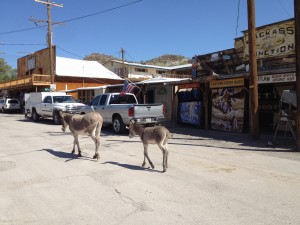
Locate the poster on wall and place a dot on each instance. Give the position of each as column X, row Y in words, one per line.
column 228, row 109
column 190, row 112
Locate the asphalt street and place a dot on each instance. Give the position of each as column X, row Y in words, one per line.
column 212, row 178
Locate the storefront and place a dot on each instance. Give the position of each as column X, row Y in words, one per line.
column 270, row 88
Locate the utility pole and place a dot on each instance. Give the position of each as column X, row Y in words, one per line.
column 49, row 36
column 253, row 87
column 123, row 62
column 297, row 52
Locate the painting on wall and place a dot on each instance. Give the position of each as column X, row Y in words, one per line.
column 228, row 109
column 190, row 112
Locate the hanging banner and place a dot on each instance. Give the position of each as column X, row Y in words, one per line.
column 274, row 40
column 228, row 109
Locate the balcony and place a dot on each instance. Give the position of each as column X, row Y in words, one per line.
column 33, row 80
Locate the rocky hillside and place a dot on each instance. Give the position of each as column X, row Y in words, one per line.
column 164, row 60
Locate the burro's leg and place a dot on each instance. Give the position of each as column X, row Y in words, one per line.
column 77, row 143
column 165, row 156
column 147, row 156
column 74, row 143
column 96, row 139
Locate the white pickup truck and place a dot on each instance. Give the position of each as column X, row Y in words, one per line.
column 48, row 105
column 118, row 109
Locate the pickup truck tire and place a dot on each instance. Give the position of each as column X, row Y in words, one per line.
column 56, row 118
column 118, row 125
column 35, row 116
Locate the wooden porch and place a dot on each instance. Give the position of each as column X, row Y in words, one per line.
column 32, row 80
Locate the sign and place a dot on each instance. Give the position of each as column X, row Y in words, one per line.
column 189, row 85
column 227, row 83
column 273, row 40
column 276, row 78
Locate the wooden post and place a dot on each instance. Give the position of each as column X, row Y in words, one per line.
column 49, row 36
column 297, row 51
column 123, row 62
column 206, row 89
column 253, row 88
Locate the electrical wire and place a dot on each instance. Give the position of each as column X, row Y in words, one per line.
column 20, row 44
column 77, row 18
column 79, row 56
column 284, row 8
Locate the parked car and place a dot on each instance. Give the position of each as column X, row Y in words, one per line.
column 10, row 105
column 118, row 109
column 49, row 104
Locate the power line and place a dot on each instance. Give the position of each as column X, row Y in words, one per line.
column 69, row 52
column 20, row 44
column 73, row 19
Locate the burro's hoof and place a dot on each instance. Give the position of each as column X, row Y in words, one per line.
column 96, row 156
column 79, row 154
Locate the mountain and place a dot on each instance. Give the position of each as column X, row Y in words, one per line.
column 164, row 60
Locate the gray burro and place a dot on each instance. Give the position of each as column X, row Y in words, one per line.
column 152, row 135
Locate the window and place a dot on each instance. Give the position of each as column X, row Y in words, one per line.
column 122, row 99
column 143, row 70
column 95, row 101
column 160, row 71
column 48, row 99
column 13, row 101
column 103, row 100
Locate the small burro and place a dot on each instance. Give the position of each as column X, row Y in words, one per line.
column 152, row 135
column 89, row 124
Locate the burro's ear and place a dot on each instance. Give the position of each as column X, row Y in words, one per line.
column 127, row 127
column 61, row 113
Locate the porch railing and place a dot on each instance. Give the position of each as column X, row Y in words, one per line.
column 33, row 79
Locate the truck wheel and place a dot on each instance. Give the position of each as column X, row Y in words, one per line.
column 56, row 118
column 35, row 116
column 118, row 125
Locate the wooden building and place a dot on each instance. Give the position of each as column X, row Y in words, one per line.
column 69, row 74
column 224, row 72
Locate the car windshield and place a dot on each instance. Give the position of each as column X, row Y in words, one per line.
column 64, row 99
column 13, row 101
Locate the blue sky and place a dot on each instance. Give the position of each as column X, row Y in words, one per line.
column 144, row 28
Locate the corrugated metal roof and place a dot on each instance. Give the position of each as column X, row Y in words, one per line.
column 83, row 68
column 153, row 66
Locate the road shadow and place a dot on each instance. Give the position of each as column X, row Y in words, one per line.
column 68, row 156
column 132, row 167
column 284, row 142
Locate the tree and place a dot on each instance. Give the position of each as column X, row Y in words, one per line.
column 6, row 72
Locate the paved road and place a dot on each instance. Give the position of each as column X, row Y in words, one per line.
column 213, row 178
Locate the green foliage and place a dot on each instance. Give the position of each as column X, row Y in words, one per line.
column 6, row 72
